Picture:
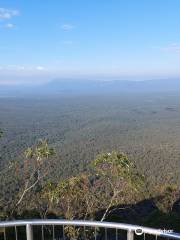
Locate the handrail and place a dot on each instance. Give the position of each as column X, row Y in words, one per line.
column 123, row 226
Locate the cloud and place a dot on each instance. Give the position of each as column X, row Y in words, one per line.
column 21, row 68
column 173, row 47
column 12, row 67
column 67, row 27
column 8, row 13
column 40, row 68
column 9, row 26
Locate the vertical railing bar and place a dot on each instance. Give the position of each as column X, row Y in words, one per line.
column 84, row 232
column 130, row 235
column 4, row 233
column 105, row 233
column 116, row 234
column 29, row 232
column 53, row 233
column 16, row 232
column 63, row 233
column 42, row 232
column 144, row 236
column 74, row 230
column 156, row 237
column 95, row 233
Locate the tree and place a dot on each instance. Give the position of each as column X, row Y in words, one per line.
column 113, row 180
column 35, row 167
column 118, row 180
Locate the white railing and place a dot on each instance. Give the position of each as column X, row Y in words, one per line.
column 131, row 230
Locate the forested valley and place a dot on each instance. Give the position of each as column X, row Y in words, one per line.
column 109, row 157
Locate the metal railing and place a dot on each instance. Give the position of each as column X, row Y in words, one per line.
column 131, row 231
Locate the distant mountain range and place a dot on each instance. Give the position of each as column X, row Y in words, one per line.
column 91, row 87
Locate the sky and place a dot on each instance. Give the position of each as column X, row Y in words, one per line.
column 88, row 39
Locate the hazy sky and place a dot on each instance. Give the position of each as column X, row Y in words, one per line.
column 118, row 39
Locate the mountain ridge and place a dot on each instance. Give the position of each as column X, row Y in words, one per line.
column 58, row 86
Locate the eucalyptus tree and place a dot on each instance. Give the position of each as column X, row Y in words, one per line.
column 113, row 180
column 35, row 167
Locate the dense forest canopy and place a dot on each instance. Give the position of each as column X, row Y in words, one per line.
column 78, row 128
column 145, row 126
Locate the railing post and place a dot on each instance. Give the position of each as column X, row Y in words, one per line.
column 130, row 235
column 29, row 232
